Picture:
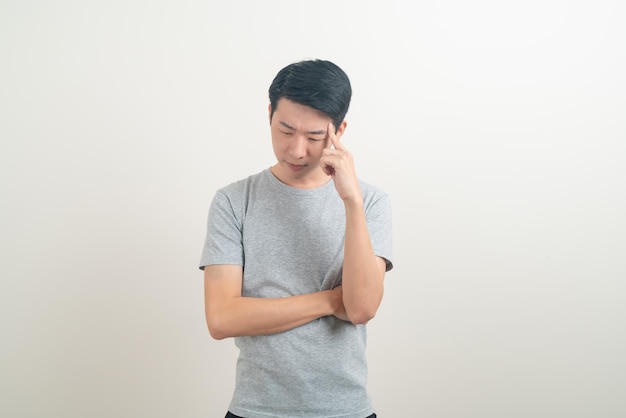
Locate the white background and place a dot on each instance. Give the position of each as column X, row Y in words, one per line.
column 498, row 128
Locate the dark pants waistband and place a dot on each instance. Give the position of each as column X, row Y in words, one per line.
column 231, row 415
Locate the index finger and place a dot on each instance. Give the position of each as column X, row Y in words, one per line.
column 331, row 136
column 334, row 139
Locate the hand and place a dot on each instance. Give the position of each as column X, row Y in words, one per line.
column 339, row 311
column 337, row 162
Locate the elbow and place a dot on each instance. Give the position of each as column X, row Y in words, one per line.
column 217, row 330
column 217, row 334
column 363, row 312
column 362, row 316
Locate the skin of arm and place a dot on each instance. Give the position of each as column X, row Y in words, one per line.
column 228, row 314
column 363, row 271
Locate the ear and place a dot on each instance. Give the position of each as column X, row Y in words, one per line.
column 341, row 129
column 269, row 112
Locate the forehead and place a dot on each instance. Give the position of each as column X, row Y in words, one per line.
column 289, row 110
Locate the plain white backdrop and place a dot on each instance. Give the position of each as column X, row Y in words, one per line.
column 498, row 128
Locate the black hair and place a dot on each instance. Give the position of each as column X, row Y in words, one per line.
column 319, row 84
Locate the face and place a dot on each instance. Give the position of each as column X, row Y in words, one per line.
column 299, row 135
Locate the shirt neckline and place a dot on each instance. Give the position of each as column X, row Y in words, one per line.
column 296, row 190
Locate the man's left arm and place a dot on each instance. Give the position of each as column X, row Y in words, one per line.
column 363, row 271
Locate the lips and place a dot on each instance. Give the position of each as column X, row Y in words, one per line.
column 296, row 167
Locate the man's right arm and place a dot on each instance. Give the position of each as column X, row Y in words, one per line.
column 228, row 314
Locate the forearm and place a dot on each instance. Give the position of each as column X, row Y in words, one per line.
column 363, row 271
column 246, row 316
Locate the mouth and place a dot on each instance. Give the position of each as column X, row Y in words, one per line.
column 296, row 167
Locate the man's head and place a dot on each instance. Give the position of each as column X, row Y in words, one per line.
column 318, row 84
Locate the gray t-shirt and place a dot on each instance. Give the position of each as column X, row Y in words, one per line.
column 290, row 242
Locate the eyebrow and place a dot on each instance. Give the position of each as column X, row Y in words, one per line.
column 318, row 132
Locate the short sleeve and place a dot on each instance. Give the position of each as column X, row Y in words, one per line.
column 378, row 215
column 224, row 240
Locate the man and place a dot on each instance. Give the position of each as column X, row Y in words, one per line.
column 295, row 258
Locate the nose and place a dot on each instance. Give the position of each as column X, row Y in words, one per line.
column 297, row 147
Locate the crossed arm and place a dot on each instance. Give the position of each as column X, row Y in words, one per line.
column 229, row 314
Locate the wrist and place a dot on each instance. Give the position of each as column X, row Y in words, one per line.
column 334, row 299
column 355, row 202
